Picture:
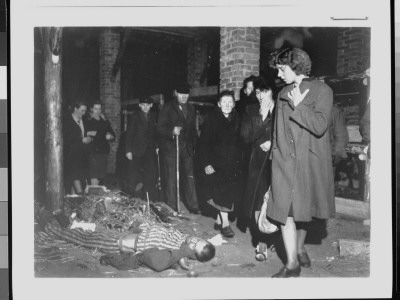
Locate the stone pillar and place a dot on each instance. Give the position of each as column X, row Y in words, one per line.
column 353, row 50
column 110, row 88
column 240, row 56
column 197, row 62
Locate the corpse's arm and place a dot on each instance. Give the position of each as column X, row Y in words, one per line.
column 161, row 259
column 340, row 134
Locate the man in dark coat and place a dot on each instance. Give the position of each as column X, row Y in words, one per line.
column 177, row 120
column 141, row 147
column 339, row 136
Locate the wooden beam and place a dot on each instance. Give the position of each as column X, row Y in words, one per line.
column 156, row 98
column 54, row 179
column 204, row 91
column 353, row 208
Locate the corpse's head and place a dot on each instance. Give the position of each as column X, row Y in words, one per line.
column 204, row 250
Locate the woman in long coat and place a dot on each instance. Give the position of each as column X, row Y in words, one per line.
column 219, row 154
column 302, row 178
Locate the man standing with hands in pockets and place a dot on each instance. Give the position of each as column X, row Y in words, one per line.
column 178, row 120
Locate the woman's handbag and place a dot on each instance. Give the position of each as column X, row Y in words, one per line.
column 263, row 224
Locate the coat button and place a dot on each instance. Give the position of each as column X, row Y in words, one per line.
column 292, row 155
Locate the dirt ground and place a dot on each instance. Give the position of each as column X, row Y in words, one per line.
column 236, row 258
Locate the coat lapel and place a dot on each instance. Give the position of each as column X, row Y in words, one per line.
column 143, row 120
column 180, row 112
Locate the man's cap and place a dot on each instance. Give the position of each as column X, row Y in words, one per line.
column 183, row 88
column 148, row 100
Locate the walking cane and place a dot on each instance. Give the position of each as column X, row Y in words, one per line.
column 177, row 174
column 159, row 186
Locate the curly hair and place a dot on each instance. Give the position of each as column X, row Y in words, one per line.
column 296, row 58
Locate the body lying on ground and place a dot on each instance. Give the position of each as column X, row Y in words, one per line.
column 155, row 246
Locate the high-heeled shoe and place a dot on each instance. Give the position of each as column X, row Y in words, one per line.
column 286, row 273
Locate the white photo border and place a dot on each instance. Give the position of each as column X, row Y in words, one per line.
column 25, row 15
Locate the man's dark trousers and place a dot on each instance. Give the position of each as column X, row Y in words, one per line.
column 186, row 176
column 143, row 169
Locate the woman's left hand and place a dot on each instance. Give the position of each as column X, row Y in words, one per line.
column 265, row 146
column 296, row 96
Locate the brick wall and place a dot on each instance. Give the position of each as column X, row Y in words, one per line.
column 353, row 50
column 196, row 60
column 240, row 56
column 110, row 88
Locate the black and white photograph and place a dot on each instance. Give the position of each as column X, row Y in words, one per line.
column 217, row 155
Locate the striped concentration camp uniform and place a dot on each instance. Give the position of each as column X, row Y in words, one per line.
column 157, row 236
column 105, row 242
column 152, row 236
